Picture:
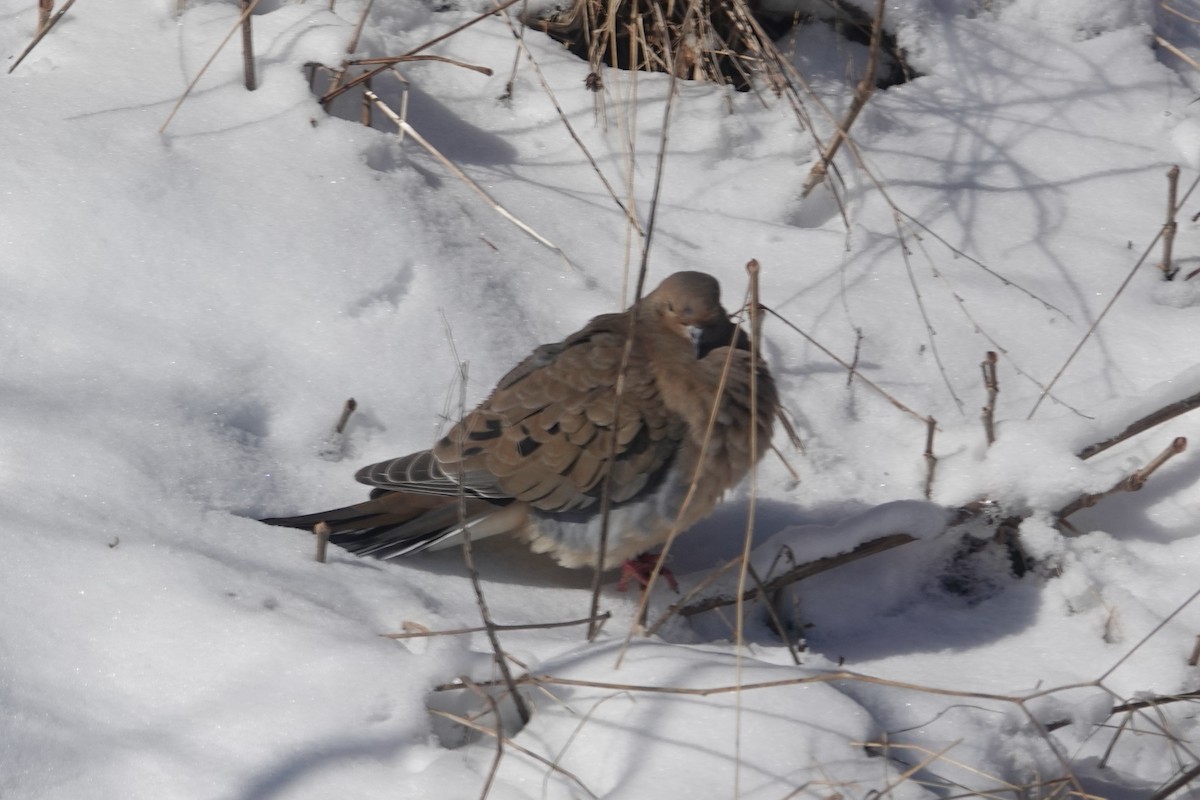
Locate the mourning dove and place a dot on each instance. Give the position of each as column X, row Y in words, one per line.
column 532, row 459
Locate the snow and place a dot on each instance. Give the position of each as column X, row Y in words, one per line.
column 185, row 312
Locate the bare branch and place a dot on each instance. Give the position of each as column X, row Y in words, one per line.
column 1131, row 483
column 1147, row 422
column 1104, row 312
column 862, row 93
column 842, row 363
column 798, row 573
column 422, row 634
column 1170, row 226
column 251, row 80
column 366, row 76
column 562, row 116
column 245, row 15
column 469, row 560
column 858, row 337
column 348, row 409
column 1135, row 705
column 992, row 386
column 473, row 725
column 334, row 446
column 1177, row 784
column 321, row 529
column 44, row 27
column 391, row 61
column 408, row 129
column 930, row 458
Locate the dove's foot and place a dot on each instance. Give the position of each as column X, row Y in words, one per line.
column 639, row 569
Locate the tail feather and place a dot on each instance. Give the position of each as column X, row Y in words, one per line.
column 388, row 508
column 397, row 523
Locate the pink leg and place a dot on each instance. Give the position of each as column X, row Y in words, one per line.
column 640, row 568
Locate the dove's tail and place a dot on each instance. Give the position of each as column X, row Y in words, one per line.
column 398, row 523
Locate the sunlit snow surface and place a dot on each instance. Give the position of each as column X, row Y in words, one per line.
column 184, row 313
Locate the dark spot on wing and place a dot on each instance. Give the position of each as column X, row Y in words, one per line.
column 493, row 431
column 639, row 444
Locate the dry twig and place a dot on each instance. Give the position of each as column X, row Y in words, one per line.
column 835, row 676
column 1175, row 51
column 1170, row 226
column 334, row 446
column 494, row 707
column 992, row 385
column 475, row 726
column 351, row 46
column 248, row 49
column 711, row 578
column 366, row 76
column 752, row 268
column 793, row 575
column 858, row 337
column 643, row 268
column 1021, row 701
column 247, row 10
column 1131, row 483
column 321, row 529
column 852, row 370
column 1183, row 780
column 349, row 408
column 1135, row 705
column 391, row 61
column 44, row 26
column 862, row 93
column 930, row 458
column 606, row 484
column 562, row 116
column 687, row 501
column 1107, row 307
column 469, row 561
column 931, row 336
column 422, row 634
column 1143, row 424
column 408, row 129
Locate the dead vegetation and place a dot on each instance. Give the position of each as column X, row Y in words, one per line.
column 723, row 41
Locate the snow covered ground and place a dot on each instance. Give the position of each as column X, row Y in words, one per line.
column 184, row 313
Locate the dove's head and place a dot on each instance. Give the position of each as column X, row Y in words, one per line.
column 689, row 303
column 688, row 299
